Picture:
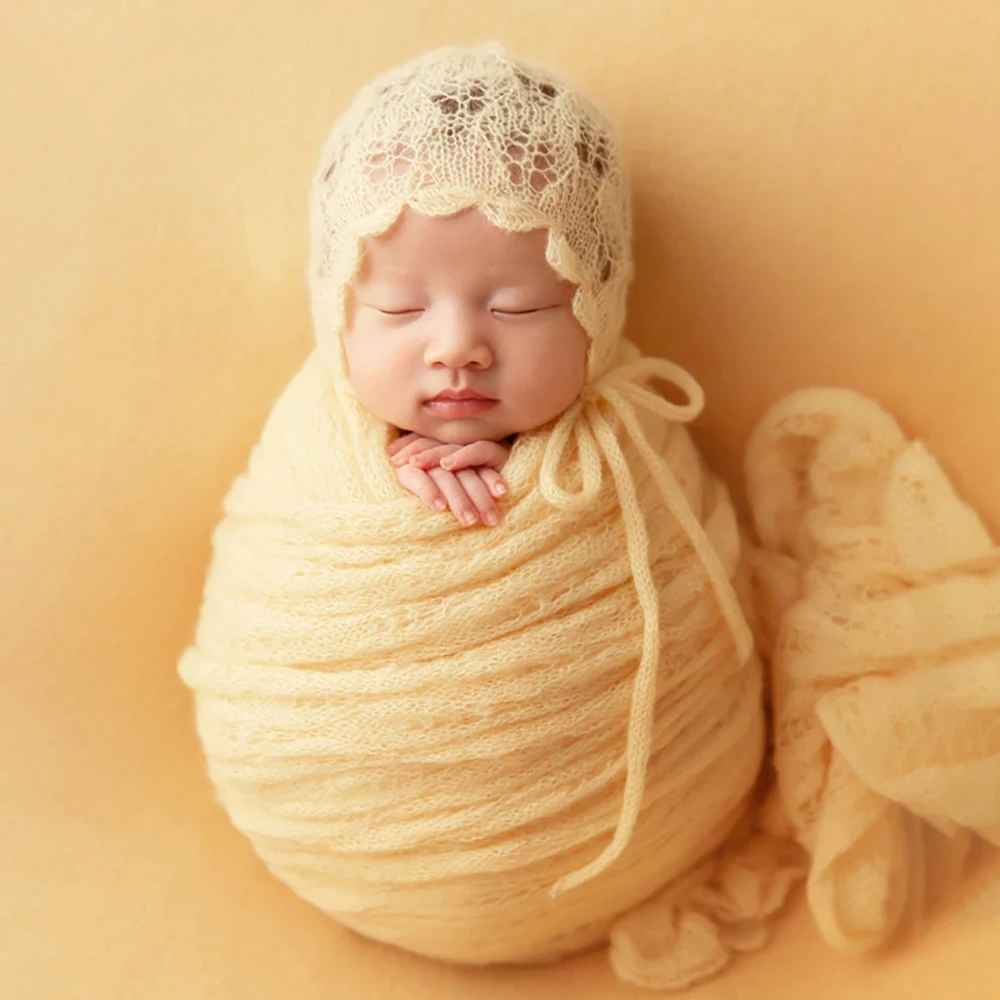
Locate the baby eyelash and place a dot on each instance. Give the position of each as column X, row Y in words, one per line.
column 499, row 312
column 521, row 312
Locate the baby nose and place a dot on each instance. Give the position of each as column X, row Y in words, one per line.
column 458, row 342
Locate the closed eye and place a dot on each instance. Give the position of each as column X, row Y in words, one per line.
column 399, row 312
column 520, row 312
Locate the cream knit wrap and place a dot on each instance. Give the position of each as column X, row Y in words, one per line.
column 501, row 744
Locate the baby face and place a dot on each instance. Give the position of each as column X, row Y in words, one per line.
column 461, row 331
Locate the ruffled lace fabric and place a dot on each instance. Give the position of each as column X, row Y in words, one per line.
column 880, row 612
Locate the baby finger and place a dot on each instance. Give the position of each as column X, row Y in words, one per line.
column 415, row 447
column 421, row 485
column 494, row 482
column 480, row 453
column 401, row 442
column 478, row 493
column 454, row 493
column 433, row 456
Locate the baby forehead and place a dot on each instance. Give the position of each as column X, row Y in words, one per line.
column 466, row 243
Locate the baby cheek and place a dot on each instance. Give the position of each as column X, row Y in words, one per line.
column 359, row 360
column 565, row 365
column 549, row 383
column 388, row 380
column 366, row 355
column 572, row 380
column 354, row 354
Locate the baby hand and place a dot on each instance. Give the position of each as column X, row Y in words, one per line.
column 464, row 478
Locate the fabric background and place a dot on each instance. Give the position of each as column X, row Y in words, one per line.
column 817, row 201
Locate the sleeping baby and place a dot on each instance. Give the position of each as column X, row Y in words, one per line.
column 508, row 747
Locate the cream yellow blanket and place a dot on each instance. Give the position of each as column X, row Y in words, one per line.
column 508, row 744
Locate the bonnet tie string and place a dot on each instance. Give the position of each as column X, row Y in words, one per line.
column 623, row 390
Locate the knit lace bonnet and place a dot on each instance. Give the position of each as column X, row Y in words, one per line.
column 463, row 127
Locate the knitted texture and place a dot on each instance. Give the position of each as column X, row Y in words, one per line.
column 461, row 127
column 508, row 744
column 423, row 729
column 880, row 597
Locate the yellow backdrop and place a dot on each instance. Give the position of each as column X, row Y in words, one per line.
column 818, row 200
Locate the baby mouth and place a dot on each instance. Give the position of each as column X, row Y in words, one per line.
column 460, row 403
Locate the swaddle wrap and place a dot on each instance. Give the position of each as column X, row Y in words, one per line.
column 488, row 746
column 498, row 744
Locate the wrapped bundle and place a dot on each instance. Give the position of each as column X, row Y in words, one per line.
column 505, row 745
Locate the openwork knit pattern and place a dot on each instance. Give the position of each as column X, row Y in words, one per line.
column 508, row 744
column 880, row 592
column 460, row 127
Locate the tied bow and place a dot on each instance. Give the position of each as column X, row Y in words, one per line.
column 623, row 389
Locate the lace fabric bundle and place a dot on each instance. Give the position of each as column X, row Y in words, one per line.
column 881, row 597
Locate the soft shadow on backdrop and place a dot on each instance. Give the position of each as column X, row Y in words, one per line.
column 818, row 201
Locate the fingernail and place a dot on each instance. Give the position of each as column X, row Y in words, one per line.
column 491, row 518
column 469, row 517
column 499, row 490
column 446, row 463
column 440, row 505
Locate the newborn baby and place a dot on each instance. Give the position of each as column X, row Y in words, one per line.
column 507, row 752
column 483, row 752
column 462, row 336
